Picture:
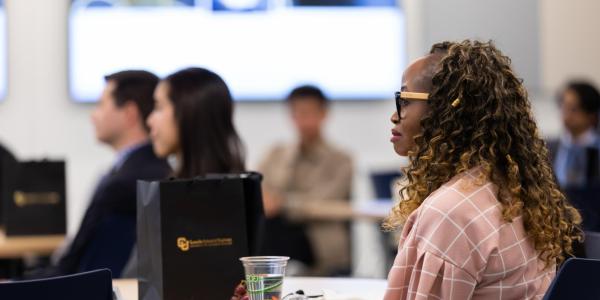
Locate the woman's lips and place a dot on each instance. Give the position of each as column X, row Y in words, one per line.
column 395, row 136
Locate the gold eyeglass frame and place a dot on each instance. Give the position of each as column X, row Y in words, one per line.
column 409, row 96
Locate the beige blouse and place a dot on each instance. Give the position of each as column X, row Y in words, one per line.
column 309, row 181
column 457, row 246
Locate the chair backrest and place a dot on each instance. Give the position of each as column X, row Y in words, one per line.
column 93, row 285
column 382, row 183
column 577, row 279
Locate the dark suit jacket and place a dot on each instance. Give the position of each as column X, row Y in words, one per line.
column 552, row 146
column 584, row 198
column 107, row 232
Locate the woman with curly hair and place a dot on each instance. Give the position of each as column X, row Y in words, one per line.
column 482, row 216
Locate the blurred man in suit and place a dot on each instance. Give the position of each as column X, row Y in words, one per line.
column 575, row 153
column 301, row 180
column 107, row 232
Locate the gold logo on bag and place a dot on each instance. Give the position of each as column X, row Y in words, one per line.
column 23, row 199
column 184, row 244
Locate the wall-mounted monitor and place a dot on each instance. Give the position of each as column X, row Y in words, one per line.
column 352, row 49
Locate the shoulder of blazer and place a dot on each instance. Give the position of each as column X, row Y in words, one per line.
column 142, row 162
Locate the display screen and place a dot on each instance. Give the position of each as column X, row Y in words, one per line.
column 352, row 49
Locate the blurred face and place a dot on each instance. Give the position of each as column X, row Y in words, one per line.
column 308, row 117
column 162, row 123
column 407, row 126
column 575, row 119
column 109, row 120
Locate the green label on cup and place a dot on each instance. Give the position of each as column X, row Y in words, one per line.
column 264, row 284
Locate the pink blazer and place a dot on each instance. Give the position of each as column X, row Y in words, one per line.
column 457, row 246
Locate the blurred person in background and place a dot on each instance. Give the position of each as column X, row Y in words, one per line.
column 304, row 178
column 575, row 153
column 192, row 122
column 107, row 232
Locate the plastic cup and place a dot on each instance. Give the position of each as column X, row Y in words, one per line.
column 264, row 276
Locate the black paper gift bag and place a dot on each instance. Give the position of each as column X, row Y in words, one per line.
column 34, row 198
column 191, row 234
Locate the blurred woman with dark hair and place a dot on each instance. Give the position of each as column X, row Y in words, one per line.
column 482, row 216
column 193, row 120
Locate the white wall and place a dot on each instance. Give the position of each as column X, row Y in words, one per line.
column 39, row 120
column 570, row 41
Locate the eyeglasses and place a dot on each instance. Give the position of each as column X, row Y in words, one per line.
column 403, row 98
column 299, row 295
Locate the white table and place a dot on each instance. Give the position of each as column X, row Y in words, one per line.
column 373, row 209
column 337, row 288
column 334, row 288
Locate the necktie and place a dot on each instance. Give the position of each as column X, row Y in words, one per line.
column 575, row 166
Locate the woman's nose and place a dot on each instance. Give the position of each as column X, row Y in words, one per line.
column 395, row 118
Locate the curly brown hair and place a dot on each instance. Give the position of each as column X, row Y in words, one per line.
column 492, row 128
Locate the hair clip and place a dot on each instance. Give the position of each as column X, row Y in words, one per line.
column 456, row 102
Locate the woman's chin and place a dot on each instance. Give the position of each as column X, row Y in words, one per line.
column 402, row 151
column 159, row 151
